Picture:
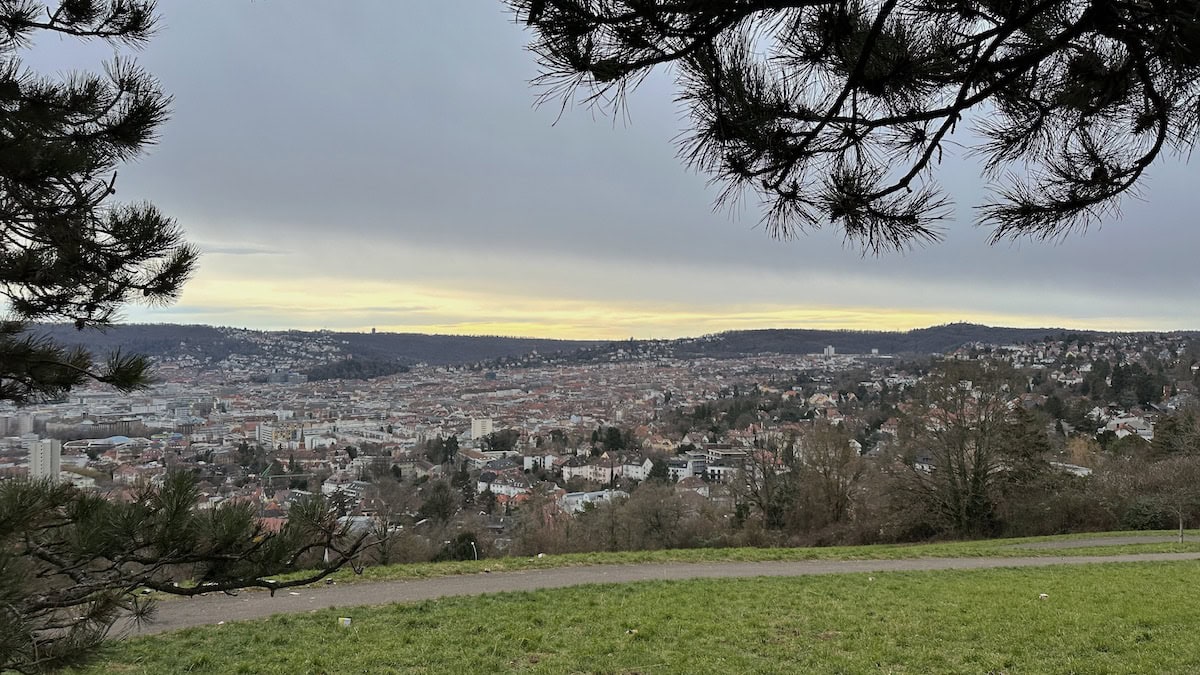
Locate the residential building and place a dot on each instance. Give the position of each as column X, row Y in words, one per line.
column 45, row 459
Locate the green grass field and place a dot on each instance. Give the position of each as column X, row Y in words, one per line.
column 991, row 548
column 1111, row 618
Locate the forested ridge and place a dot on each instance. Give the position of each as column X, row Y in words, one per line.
column 215, row 343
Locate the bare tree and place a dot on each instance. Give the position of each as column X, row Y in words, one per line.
column 767, row 482
column 1175, row 485
column 955, row 458
column 831, row 468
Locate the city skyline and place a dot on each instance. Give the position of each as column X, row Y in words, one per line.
column 388, row 169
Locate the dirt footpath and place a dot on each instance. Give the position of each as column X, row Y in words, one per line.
column 212, row 609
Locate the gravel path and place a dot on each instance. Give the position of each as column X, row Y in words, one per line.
column 221, row 608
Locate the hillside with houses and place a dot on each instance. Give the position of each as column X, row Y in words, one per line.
column 515, row 452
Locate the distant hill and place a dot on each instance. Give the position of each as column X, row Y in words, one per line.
column 329, row 352
column 215, row 344
column 152, row 339
column 451, row 349
column 936, row 339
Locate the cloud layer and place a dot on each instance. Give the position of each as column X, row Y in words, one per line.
column 380, row 164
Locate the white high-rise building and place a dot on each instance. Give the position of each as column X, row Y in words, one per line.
column 45, row 459
column 829, row 351
column 480, row 428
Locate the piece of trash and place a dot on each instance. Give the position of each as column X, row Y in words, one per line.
column 541, row 555
column 344, row 621
column 220, row 623
column 293, row 593
column 329, row 582
column 487, row 570
column 1043, row 596
column 870, row 578
column 631, row 631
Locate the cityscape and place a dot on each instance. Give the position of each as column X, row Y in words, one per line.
column 599, row 336
column 254, row 430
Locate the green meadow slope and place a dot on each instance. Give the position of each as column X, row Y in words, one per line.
column 1098, row 618
column 1107, row 618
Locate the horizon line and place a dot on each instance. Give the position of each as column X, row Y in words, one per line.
column 1048, row 329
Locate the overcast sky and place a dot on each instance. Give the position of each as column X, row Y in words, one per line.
column 374, row 163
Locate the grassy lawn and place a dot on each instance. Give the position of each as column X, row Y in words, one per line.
column 1111, row 618
column 998, row 548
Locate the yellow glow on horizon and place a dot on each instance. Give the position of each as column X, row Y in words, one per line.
column 307, row 303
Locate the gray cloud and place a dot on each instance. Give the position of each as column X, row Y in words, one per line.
column 216, row 249
column 395, row 126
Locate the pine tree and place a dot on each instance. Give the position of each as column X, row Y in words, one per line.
column 67, row 252
column 72, row 564
column 837, row 112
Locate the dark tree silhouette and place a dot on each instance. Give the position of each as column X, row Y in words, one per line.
column 71, row 563
column 838, row 111
column 67, row 252
column 965, row 445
